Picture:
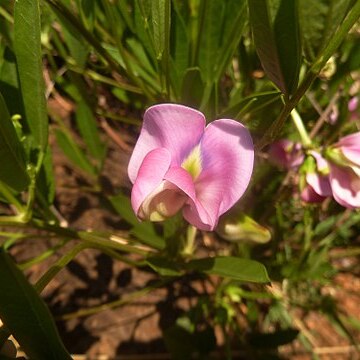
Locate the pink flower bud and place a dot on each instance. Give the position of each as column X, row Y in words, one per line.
column 317, row 186
column 286, row 154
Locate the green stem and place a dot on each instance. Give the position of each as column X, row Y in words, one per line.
column 116, row 303
column 43, row 256
column 6, row 15
column 188, row 246
column 305, row 138
column 105, row 80
column 59, row 265
column 108, row 243
column 272, row 133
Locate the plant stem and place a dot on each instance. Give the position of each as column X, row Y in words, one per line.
column 116, row 303
column 59, row 265
column 305, row 139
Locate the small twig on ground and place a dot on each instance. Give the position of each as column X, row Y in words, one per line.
column 114, row 136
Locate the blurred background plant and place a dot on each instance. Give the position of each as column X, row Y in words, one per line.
column 100, row 63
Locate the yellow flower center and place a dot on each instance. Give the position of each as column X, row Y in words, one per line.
column 192, row 164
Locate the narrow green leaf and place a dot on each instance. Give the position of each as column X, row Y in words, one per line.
column 87, row 10
column 142, row 22
column 265, row 42
column 192, row 88
column 27, row 317
column 9, row 83
column 180, row 44
column 163, row 266
column 45, row 182
column 232, row 267
column 73, row 151
column 251, row 104
column 27, row 44
column 287, row 36
column 158, row 8
column 234, row 24
column 88, row 129
column 79, row 49
column 13, row 169
column 210, row 31
column 275, row 29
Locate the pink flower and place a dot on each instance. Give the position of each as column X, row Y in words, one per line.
column 286, row 154
column 344, row 163
column 179, row 164
column 317, row 186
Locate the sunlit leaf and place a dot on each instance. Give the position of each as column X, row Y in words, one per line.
column 27, row 44
column 232, row 267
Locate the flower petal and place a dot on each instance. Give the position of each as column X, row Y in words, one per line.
column 352, row 140
column 175, row 127
column 320, row 184
column 227, row 157
column 193, row 211
column 309, row 195
column 150, row 175
column 165, row 201
column 352, row 154
column 353, row 104
column 345, row 185
column 321, row 162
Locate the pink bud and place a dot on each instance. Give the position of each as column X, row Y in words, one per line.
column 286, row 154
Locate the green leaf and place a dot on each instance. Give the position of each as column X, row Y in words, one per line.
column 210, row 30
column 192, row 88
column 45, row 182
column 275, row 29
column 163, row 266
column 234, row 24
column 87, row 10
column 79, row 49
column 88, row 129
column 13, row 169
column 27, row 45
column 27, row 317
column 73, row 151
column 180, row 45
column 142, row 22
column 232, row 267
column 9, row 83
column 251, row 104
column 158, row 9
